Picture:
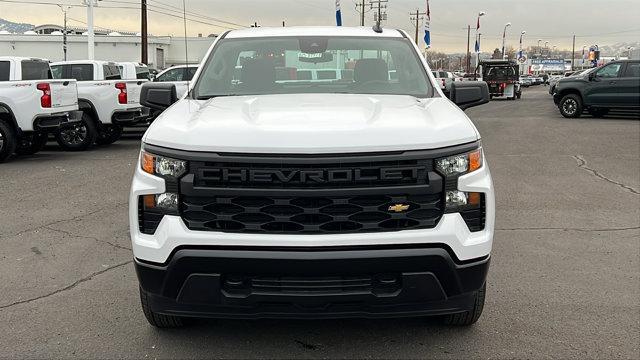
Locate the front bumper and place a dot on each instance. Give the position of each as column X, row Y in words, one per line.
column 323, row 283
column 451, row 231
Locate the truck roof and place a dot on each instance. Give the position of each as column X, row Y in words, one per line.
column 99, row 62
column 20, row 58
column 312, row 31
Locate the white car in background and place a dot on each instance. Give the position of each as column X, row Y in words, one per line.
column 179, row 75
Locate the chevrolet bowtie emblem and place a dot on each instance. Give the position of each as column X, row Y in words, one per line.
column 399, row 208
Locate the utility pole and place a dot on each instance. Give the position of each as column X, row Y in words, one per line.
column 360, row 8
column 573, row 52
column 417, row 17
column 90, row 34
column 143, row 33
column 283, row 24
column 64, row 31
column 468, row 49
column 379, row 16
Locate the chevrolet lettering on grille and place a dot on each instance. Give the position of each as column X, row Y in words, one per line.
column 300, row 176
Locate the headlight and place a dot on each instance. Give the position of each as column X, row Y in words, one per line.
column 162, row 166
column 452, row 167
column 460, row 164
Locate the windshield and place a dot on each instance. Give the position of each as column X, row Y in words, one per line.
column 501, row 71
column 296, row 65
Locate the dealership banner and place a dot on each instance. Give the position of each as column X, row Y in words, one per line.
column 547, row 65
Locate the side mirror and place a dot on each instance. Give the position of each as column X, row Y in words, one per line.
column 592, row 76
column 469, row 93
column 158, row 96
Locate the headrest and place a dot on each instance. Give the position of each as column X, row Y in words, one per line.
column 371, row 70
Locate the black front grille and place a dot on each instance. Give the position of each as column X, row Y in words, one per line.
column 309, row 214
column 287, row 175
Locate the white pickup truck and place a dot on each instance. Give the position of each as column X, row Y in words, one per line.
column 31, row 104
column 257, row 197
column 133, row 71
column 179, row 75
column 107, row 101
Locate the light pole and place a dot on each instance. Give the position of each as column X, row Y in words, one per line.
column 539, row 48
column 504, row 35
column 546, row 48
column 477, row 45
column 90, row 34
column 583, row 47
column 521, row 36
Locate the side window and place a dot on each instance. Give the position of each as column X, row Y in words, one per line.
column 171, row 75
column 35, row 70
column 633, row 70
column 4, row 70
column 58, row 71
column 190, row 73
column 81, row 72
column 111, row 72
column 142, row 73
column 609, row 71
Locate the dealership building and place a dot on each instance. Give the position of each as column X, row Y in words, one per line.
column 46, row 41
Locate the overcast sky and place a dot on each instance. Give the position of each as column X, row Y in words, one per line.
column 594, row 21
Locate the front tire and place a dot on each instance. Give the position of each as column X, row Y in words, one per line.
column 468, row 318
column 109, row 134
column 8, row 141
column 570, row 106
column 32, row 143
column 78, row 136
column 158, row 320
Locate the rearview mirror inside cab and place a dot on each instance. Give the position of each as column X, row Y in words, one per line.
column 158, row 95
column 468, row 94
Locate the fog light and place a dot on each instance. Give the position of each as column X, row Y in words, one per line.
column 455, row 199
column 168, row 202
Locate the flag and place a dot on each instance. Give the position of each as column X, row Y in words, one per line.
column 338, row 13
column 427, row 27
column 477, row 47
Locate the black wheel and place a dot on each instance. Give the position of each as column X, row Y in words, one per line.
column 109, row 134
column 469, row 317
column 519, row 95
column 158, row 320
column 78, row 136
column 8, row 141
column 598, row 112
column 570, row 106
column 32, row 143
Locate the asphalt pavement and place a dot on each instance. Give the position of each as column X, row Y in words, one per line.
column 564, row 279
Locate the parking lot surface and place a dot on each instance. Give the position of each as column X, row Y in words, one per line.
column 564, row 278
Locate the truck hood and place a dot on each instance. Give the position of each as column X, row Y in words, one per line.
column 311, row 123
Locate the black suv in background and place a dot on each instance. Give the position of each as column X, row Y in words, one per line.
column 615, row 85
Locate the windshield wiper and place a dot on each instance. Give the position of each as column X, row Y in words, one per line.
column 207, row 97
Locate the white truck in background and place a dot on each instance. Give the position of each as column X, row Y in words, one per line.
column 107, row 101
column 32, row 104
column 134, row 71
column 179, row 75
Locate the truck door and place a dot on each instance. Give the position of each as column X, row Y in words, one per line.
column 604, row 86
column 630, row 85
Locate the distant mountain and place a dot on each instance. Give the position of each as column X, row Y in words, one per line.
column 6, row 25
column 620, row 48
